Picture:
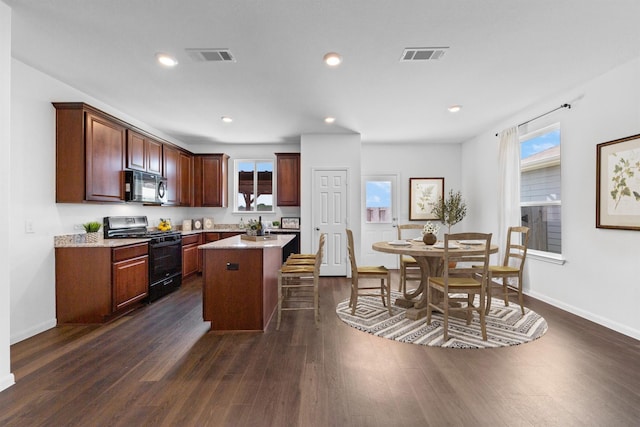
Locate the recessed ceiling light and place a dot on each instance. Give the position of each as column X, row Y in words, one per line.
column 166, row 60
column 329, row 120
column 454, row 108
column 226, row 119
column 332, row 59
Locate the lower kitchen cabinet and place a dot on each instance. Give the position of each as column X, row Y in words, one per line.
column 98, row 284
column 191, row 258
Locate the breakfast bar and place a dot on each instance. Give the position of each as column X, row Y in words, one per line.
column 240, row 281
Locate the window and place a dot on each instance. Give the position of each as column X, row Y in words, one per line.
column 378, row 201
column 253, row 187
column 540, row 201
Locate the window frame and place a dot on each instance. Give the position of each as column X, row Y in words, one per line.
column 552, row 257
column 236, row 185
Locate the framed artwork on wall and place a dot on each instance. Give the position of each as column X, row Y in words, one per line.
column 290, row 223
column 423, row 195
column 618, row 184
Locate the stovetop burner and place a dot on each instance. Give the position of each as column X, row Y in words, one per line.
column 134, row 227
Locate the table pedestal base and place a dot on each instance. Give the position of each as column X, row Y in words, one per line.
column 415, row 313
column 405, row 303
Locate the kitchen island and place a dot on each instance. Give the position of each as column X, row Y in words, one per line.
column 240, row 282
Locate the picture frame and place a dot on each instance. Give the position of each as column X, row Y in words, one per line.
column 423, row 195
column 290, row 223
column 618, row 184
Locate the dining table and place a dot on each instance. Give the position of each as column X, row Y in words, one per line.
column 430, row 260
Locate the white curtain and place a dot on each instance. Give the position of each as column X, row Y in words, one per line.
column 508, row 185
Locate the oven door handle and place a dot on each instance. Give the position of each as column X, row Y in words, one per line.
column 163, row 244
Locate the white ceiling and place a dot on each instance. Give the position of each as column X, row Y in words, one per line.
column 503, row 56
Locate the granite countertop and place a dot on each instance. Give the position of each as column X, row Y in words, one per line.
column 80, row 241
column 237, row 242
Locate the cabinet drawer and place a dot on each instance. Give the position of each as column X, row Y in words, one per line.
column 211, row 237
column 190, row 239
column 132, row 251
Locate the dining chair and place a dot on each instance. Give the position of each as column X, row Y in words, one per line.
column 409, row 268
column 367, row 273
column 512, row 267
column 298, row 286
column 464, row 272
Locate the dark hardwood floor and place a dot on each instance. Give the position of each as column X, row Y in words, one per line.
column 161, row 366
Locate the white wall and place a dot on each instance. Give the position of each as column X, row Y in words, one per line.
column 599, row 280
column 6, row 378
column 413, row 161
column 336, row 151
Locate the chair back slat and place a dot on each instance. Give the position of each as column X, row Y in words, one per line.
column 461, row 264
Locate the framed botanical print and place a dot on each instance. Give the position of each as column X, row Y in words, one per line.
column 424, row 193
column 618, row 184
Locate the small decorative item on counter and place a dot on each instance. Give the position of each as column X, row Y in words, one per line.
column 429, row 232
column 207, row 223
column 164, row 224
column 92, row 229
column 197, row 224
column 186, row 225
column 275, row 224
column 255, row 227
column 241, row 225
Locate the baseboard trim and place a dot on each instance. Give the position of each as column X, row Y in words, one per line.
column 603, row 321
column 7, row 381
column 35, row 330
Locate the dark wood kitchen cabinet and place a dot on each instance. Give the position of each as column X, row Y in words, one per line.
column 99, row 284
column 185, row 195
column 178, row 171
column 90, row 154
column 130, row 275
column 210, row 180
column 143, row 153
column 191, row 257
column 288, row 179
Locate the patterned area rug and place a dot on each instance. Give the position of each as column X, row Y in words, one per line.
column 506, row 326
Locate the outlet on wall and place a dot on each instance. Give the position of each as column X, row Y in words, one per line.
column 28, row 226
column 78, row 227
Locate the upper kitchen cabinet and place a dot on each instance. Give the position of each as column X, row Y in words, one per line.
column 90, row 154
column 178, row 170
column 288, row 179
column 210, row 180
column 143, row 153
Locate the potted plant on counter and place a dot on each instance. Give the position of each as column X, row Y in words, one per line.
column 92, row 229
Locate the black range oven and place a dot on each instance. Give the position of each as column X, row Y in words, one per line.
column 165, row 251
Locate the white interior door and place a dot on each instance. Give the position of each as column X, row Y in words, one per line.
column 379, row 221
column 329, row 216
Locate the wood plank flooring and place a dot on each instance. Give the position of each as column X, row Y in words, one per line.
column 161, row 366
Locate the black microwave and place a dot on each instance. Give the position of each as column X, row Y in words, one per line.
column 143, row 187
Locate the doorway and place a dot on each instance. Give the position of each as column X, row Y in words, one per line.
column 379, row 218
column 330, row 213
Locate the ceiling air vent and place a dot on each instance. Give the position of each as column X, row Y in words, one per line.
column 411, row 54
column 208, row 55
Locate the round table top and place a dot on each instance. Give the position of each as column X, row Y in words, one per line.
column 418, row 248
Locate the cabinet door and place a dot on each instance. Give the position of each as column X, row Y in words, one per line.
column 211, row 186
column 190, row 263
column 154, row 156
column 171, row 160
column 130, row 281
column 185, row 174
column 288, row 180
column 136, row 151
column 105, row 159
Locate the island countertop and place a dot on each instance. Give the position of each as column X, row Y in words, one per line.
column 236, row 242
